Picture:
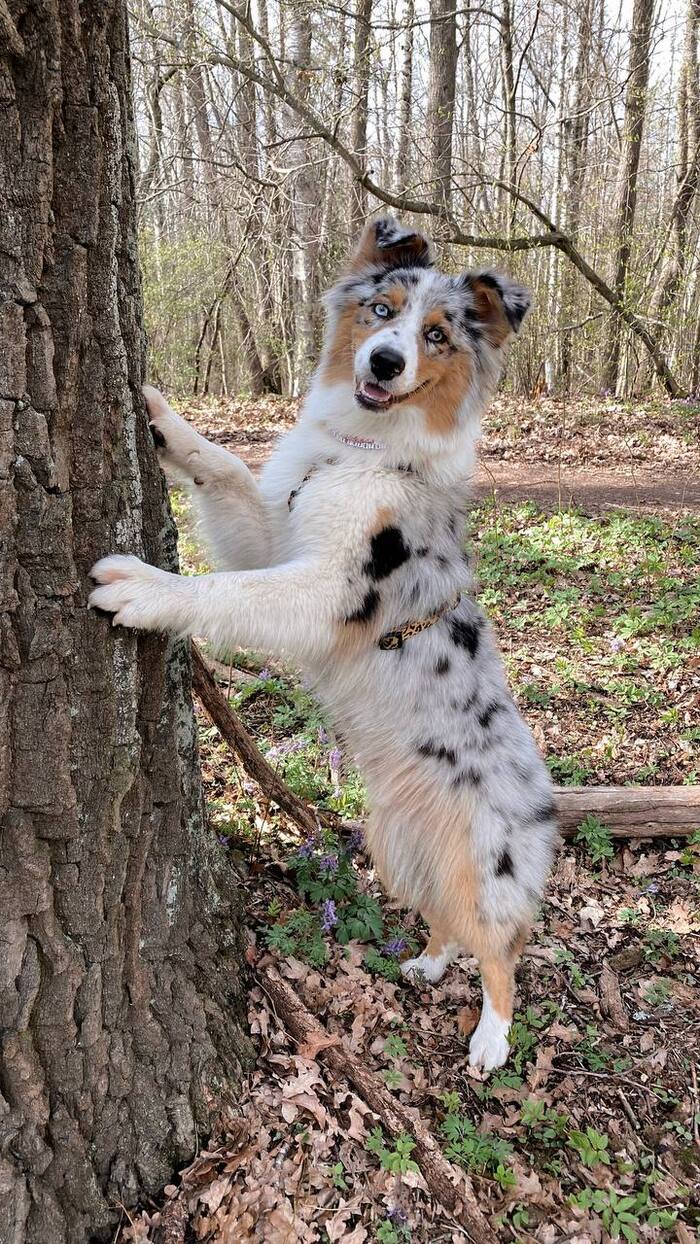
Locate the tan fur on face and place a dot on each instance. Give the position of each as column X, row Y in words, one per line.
column 444, row 375
column 355, row 324
column 447, row 378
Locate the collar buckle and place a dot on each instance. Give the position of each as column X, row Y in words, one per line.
column 391, row 641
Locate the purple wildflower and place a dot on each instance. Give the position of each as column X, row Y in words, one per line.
column 394, row 947
column 398, row 1216
column 616, row 644
column 329, row 864
column 652, row 888
column 223, row 839
column 330, row 915
column 335, row 758
column 249, row 788
column 306, row 849
column 264, row 674
column 355, row 842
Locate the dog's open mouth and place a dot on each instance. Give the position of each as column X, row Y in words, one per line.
column 375, row 397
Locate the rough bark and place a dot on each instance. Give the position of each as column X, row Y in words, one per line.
column 635, row 113
column 119, row 975
column 441, row 97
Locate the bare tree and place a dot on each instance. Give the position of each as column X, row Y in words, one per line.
column 635, row 112
column 441, row 97
column 361, row 91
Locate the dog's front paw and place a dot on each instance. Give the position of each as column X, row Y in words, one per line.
column 489, row 1048
column 424, row 968
column 136, row 594
column 178, row 443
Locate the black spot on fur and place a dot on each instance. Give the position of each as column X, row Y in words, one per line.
column 469, row 703
column 157, row 436
column 387, row 553
column 414, row 594
column 468, row 777
column 504, row 866
column 367, row 609
column 442, row 665
column 422, row 551
column 465, row 635
column 489, row 713
column 438, row 753
column 543, row 812
column 441, row 560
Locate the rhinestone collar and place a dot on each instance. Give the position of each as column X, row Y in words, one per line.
column 356, row 442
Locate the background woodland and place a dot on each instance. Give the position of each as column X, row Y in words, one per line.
column 558, row 140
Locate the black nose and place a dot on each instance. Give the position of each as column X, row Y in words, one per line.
column 386, row 363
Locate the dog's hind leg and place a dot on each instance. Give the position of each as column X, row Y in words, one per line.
column 489, row 1046
column 233, row 516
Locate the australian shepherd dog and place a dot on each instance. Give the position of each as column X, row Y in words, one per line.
column 346, row 558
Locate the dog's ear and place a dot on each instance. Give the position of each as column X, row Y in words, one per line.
column 389, row 244
column 499, row 304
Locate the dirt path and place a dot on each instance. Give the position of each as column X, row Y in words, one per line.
column 592, row 489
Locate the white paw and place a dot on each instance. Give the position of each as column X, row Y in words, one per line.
column 489, row 1046
column 177, row 442
column 137, row 594
column 430, row 968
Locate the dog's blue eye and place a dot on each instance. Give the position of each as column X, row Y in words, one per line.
column 381, row 309
column 436, row 335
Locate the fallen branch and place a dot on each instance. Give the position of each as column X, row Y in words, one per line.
column 243, row 745
column 631, row 811
column 628, row 811
column 451, row 1187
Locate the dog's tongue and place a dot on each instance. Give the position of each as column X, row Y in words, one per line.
column 375, row 392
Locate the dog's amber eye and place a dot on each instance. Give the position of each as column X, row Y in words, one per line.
column 381, row 310
column 435, row 335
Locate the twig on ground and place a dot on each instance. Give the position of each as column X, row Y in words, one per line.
column 452, row 1188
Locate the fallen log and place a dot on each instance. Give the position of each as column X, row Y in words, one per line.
column 450, row 1186
column 631, row 811
column 628, row 811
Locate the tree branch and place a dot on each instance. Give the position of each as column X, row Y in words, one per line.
column 451, row 1187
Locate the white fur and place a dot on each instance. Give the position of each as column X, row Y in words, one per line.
column 489, row 1046
column 431, row 968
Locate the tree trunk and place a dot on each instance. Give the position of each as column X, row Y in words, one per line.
column 635, row 112
column 363, row 30
column 402, row 176
column 674, row 268
column 120, row 990
column 441, row 96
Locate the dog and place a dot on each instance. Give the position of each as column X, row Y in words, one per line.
column 347, row 559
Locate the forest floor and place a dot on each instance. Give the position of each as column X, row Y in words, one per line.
column 592, row 1130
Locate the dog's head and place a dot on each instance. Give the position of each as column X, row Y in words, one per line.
column 402, row 333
